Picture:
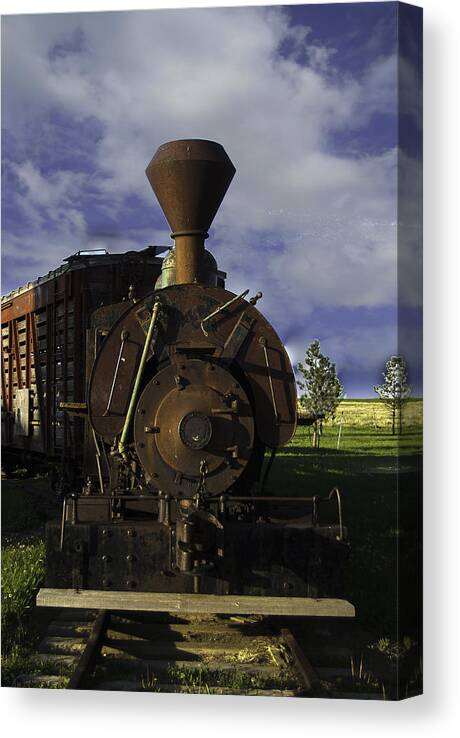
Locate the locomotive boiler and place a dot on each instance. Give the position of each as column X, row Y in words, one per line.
column 191, row 389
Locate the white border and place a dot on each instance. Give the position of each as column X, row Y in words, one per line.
column 39, row 713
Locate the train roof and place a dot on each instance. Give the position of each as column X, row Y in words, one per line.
column 89, row 258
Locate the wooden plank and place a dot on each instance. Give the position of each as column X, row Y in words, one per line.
column 4, row 391
column 28, row 350
column 194, row 603
column 10, row 367
column 143, row 666
column 38, row 378
column 17, row 358
column 169, row 650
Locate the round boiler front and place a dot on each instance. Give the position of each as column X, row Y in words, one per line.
column 194, row 418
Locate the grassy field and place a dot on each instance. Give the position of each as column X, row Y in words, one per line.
column 374, row 414
column 380, row 478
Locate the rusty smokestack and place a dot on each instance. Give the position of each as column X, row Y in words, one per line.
column 190, row 179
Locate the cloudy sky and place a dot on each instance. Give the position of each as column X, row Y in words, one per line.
column 305, row 101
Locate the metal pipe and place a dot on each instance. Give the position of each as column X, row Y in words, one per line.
column 189, row 250
column 98, row 462
column 263, row 343
column 336, row 492
column 137, row 384
column 124, row 338
column 63, row 520
column 221, row 308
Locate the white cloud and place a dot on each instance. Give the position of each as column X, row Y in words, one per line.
column 329, row 223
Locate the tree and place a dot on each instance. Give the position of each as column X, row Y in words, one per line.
column 395, row 390
column 322, row 389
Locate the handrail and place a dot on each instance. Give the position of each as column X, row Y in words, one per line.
column 132, row 403
column 336, row 492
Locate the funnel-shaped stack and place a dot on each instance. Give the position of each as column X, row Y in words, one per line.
column 190, row 179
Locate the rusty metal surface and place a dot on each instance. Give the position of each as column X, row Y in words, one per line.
column 190, row 179
column 194, row 413
column 111, row 383
column 184, row 308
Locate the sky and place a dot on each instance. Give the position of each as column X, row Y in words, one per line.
column 320, row 115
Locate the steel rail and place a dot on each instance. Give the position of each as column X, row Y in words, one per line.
column 305, row 670
column 90, row 653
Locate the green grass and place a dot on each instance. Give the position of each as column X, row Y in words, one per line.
column 19, row 662
column 380, row 479
column 23, row 571
column 22, row 574
column 202, row 680
column 381, row 510
column 364, row 440
column 26, row 505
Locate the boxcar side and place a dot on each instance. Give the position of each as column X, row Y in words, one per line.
column 44, row 326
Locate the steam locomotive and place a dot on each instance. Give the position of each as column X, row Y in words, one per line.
column 189, row 391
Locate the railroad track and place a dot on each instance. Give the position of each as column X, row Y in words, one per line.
column 248, row 655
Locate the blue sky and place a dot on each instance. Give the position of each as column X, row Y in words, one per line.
column 305, row 101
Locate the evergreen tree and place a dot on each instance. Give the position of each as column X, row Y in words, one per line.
column 322, row 389
column 395, row 390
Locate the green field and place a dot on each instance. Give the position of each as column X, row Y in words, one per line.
column 374, row 414
column 380, row 480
